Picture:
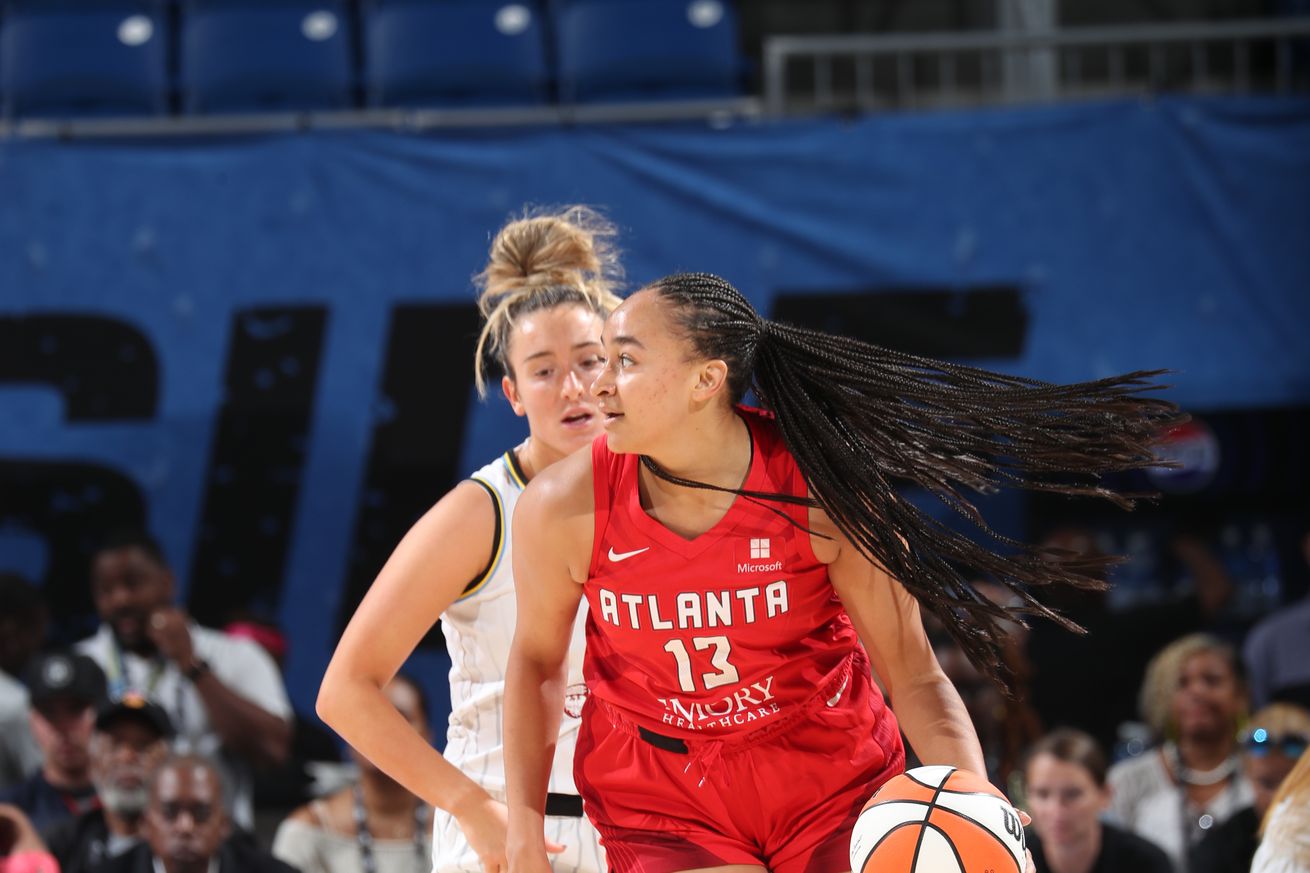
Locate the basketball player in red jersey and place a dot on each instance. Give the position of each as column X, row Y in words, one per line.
column 746, row 569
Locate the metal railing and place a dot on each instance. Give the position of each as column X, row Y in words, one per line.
column 863, row 72
column 849, row 73
column 723, row 112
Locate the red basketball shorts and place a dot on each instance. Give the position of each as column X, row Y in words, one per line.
column 784, row 799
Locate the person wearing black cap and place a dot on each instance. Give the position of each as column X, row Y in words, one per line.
column 64, row 690
column 130, row 739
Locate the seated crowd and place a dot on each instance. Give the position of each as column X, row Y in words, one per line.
column 158, row 744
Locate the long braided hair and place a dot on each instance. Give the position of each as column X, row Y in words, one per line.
column 859, row 418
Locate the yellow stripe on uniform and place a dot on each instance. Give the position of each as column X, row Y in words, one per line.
column 512, row 464
column 499, row 547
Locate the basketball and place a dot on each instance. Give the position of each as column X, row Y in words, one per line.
column 937, row 820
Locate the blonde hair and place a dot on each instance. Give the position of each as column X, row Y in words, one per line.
column 1162, row 674
column 1295, row 788
column 541, row 260
column 1282, row 718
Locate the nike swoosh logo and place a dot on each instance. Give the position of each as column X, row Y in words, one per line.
column 623, row 556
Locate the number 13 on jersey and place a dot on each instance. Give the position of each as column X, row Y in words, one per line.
column 726, row 673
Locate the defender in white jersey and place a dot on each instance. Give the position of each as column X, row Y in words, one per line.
column 479, row 627
column 546, row 291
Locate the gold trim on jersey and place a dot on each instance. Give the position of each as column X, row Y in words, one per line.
column 515, row 471
column 499, row 547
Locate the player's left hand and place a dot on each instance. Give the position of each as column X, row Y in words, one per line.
column 168, row 630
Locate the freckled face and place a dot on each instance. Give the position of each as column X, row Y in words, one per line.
column 644, row 390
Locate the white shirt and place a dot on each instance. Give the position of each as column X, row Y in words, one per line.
column 240, row 664
column 1146, row 801
column 20, row 756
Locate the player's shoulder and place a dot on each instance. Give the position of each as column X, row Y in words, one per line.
column 469, row 498
column 565, row 485
column 466, row 513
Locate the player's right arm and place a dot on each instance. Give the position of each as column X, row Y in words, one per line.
column 440, row 555
column 552, row 554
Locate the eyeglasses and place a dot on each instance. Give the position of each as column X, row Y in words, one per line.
column 1260, row 743
column 199, row 812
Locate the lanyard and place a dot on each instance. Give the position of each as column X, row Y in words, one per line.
column 365, row 836
column 120, row 683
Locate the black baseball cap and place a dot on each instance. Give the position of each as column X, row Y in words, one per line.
column 51, row 675
column 133, row 706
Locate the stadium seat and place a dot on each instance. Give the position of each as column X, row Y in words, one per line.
column 454, row 52
column 83, row 57
column 617, row 50
column 256, row 55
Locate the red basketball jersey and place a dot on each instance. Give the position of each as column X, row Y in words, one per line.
column 717, row 635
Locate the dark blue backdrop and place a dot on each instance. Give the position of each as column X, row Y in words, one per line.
column 1138, row 234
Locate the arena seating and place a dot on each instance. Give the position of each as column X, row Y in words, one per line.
column 612, row 50
column 74, row 57
column 252, row 55
column 457, row 52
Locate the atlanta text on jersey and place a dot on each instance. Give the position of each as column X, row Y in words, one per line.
column 693, row 609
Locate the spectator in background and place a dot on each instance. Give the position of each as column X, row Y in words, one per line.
column 22, row 632
column 1285, row 834
column 224, row 696
column 1089, row 680
column 66, row 691
column 21, row 849
column 1277, row 738
column 1194, row 700
column 131, row 738
column 1277, row 652
column 374, row 826
column 186, row 827
column 1064, row 779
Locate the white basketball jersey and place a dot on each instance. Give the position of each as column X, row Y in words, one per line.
column 479, row 627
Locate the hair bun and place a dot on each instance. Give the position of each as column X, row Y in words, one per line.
column 542, row 249
column 534, row 256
